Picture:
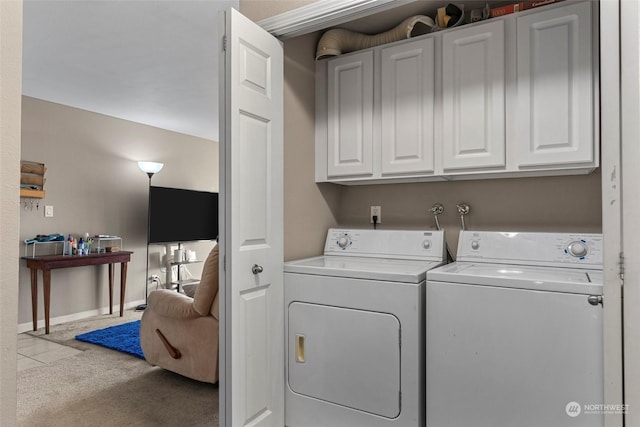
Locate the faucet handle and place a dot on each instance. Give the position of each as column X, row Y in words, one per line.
column 463, row 208
column 437, row 209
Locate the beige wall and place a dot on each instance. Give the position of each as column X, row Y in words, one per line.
column 568, row 203
column 10, row 90
column 95, row 186
column 309, row 209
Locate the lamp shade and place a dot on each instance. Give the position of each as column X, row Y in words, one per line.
column 150, row 167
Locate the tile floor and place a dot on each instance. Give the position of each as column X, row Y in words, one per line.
column 33, row 352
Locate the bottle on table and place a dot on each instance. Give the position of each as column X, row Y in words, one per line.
column 87, row 243
column 66, row 250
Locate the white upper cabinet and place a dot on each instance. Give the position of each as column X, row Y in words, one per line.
column 473, row 97
column 407, row 108
column 350, row 115
column 555, row 105
column 512, row 96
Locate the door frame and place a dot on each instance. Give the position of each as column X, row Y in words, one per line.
column 630, row 176
column 611, row 203
column 224, row 327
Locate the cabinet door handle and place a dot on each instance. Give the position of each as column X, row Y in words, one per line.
column 256, row 269
column 299, row 348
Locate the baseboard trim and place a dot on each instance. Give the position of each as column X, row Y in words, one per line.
column 28, row 326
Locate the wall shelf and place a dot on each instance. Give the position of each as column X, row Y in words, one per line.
column 34, row 194
column 32, row 178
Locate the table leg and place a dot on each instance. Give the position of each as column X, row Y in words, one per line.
column 111, row 288
column 123, row 285
column 46, row 287
column 34, row 297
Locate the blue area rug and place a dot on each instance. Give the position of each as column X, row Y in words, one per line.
column 124, row 338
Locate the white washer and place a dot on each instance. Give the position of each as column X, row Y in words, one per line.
column 514, row 332
column 355, row 329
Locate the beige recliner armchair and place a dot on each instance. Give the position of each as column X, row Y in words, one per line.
column 179, row 333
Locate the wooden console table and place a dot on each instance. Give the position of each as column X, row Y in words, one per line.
column 50, row 262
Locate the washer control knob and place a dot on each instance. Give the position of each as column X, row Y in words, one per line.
column 475, row 244
column 577, row 249
column 344, row 241
column 426, row 244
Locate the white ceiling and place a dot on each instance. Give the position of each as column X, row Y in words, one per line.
column 151, row 62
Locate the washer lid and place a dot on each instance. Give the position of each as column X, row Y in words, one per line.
column 383, row 269
column 568, row 280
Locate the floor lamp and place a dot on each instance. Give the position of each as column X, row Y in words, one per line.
column 150, row 168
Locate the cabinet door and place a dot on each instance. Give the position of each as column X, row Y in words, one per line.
column 350, row 115
column 473, row 97
column 554, row 89
column 407, row 83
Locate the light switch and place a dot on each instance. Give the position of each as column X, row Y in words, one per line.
column 48, row 211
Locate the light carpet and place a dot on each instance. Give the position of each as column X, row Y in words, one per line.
column 103, row 387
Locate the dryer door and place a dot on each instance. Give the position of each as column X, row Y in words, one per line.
column 345, row 356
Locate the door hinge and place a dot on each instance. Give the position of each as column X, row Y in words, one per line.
column 400, row 338
column 399, row 399
column 224, row 43
column 224, row 263
column 621, row 263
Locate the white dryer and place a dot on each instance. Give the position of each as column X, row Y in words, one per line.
column 355, row 329
column 514, row 332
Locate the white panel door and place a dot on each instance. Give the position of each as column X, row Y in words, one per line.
column 253, row 228
column 350, row 116
column 473, row 97
column 407, row 80
column 555, row 87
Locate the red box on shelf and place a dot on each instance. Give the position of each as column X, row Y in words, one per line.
column 520, row 6
column 506, row 10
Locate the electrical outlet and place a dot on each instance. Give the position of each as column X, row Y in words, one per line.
column 376, row 211
column 48, row 211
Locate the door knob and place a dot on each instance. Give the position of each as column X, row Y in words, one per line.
column 595, row 299
column 256, row 269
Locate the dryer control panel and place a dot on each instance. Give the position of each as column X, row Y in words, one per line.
column 401, row 244
column 545, row 249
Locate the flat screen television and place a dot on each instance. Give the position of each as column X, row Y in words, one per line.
column 177, row 215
